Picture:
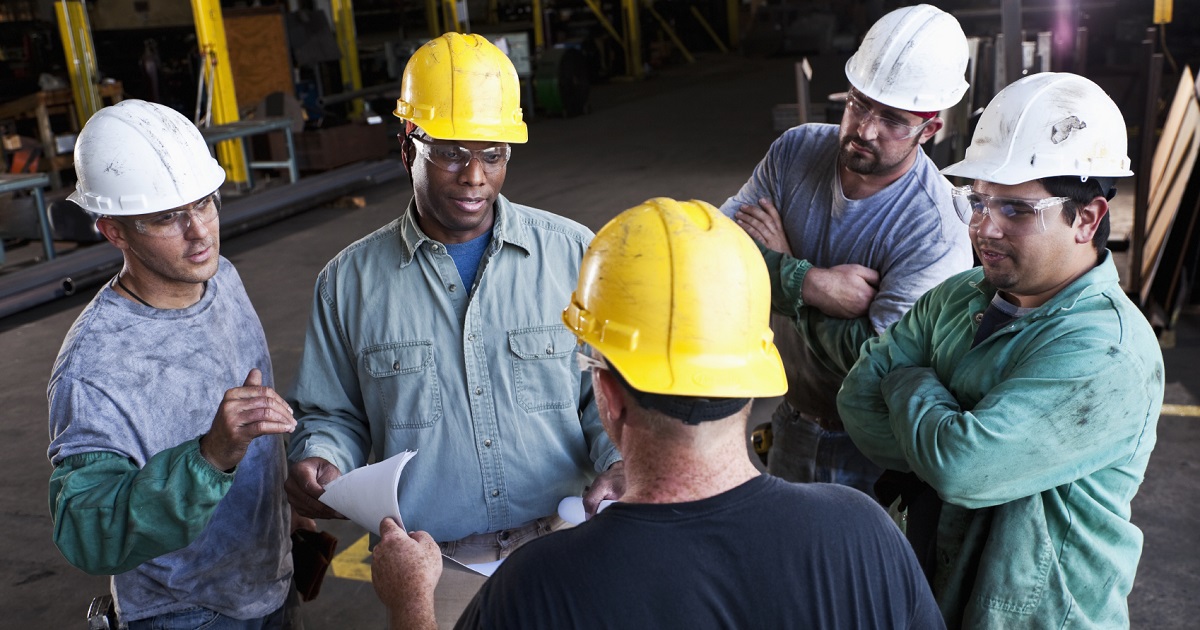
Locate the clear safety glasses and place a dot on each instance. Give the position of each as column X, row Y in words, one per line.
column 1014, row 217
column 859, row 113
column 454, row 158
column 586, row 362
column 178, row 221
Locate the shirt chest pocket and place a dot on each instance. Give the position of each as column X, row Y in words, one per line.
column 544, row 374
column 402, row 385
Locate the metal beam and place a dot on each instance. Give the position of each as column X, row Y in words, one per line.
column 90, row 266
column 633, row 38
column 594, row 5
column 708, row 29
column 666, row 27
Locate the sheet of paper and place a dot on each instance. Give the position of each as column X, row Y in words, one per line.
column 485, row 569
column 570, row 509
column 367, row 495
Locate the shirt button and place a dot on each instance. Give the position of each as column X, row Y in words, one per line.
column 487, row 443
column 495, row 493
column 979, row 318
column 453, row 287
column 396, row 365
column 471, row 337
column 478, row 391
column 550, row 349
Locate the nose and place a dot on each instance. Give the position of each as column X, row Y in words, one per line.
column 473, row 174
column 196, row 229
column 871, row 122
column 987, row 228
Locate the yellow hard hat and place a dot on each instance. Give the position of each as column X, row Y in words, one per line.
column 677, row 298
column 461, row 87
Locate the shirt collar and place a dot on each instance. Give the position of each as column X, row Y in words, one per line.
column 507, row 229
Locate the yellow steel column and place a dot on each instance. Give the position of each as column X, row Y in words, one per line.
column 343, row 26
column 210, row 36
column 633, row 39
column 539, row 38
column 76, row 34
column 450, row 16
column 433, row 17
column 732, row 11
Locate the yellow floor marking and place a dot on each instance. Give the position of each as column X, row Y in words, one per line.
column 1181, row 410
column 354, row 563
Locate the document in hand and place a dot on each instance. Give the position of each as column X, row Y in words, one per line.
column 367, row 495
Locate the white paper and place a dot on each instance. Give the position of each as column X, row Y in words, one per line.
column 485, row 569
column 570, row 509
column 367, row 495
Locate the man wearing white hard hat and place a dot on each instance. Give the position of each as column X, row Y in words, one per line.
column 1025, row 392
column 165, row 431
column 855, row 223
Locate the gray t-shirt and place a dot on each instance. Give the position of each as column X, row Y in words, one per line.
column 908, row 232
column 133, row 380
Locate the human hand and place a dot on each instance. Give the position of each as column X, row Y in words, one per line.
column 245, row 413
column 405, row 569
column 306, row 481
column 844, row 291
column 610, row 485
column 763, row 224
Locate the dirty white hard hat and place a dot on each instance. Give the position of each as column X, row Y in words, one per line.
column 1046, row 125
column 137, row 157
column 913, row 58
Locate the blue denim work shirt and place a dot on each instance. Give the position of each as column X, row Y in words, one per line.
column 481, row 382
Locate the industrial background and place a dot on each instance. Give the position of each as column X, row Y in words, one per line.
column 626, row 100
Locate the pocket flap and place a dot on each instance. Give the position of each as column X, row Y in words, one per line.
column 397, row 358
column 544, row 342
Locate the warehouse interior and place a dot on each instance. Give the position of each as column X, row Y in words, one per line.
column 625, row 100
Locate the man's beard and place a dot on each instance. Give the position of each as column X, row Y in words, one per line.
column 870, row 164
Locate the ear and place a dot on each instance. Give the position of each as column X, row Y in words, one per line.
column 610, row 403
column 114, row 231
column 1087, row 219
column 406, row 153
column 931, row 130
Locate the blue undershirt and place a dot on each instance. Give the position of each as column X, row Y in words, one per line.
column 467, row 256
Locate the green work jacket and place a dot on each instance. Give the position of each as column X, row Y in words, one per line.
column 1036, row 439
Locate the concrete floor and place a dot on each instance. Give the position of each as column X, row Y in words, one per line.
column 692, row 132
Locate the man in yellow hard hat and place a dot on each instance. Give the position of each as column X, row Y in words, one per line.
column 673, row 300
column 440, row 332
column 856, row 224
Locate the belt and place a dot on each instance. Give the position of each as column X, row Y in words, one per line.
column 823, row 423
column 491, row 546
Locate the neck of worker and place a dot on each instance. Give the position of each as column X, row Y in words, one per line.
column 677, row 464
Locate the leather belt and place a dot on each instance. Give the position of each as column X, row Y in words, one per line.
column 827, row 424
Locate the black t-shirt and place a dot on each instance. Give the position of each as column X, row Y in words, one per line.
column 767, row 554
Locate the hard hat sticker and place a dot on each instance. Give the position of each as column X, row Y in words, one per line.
column 1063, row 128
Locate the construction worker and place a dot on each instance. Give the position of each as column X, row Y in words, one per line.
column 673, row 301
column 1025, row 392
column 440, row 332
column 855, row 224
column 168, row 463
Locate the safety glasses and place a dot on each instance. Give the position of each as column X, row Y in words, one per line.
column 586, row 362
column 454, row 158
column 178, row 221
column 858, row 113
column 1014, row 217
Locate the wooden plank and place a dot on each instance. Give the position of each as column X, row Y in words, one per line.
column 1170, row 131
column 1179, row 174
column 259, row 57
column 1170, row 150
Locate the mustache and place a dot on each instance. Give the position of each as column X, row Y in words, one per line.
column 862, row 143
column 992, row 245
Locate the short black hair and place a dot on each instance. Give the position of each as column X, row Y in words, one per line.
column 1081, row 193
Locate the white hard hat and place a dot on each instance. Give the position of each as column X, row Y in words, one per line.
column 1046, row 125
column 137, row 157
column 914, row 59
